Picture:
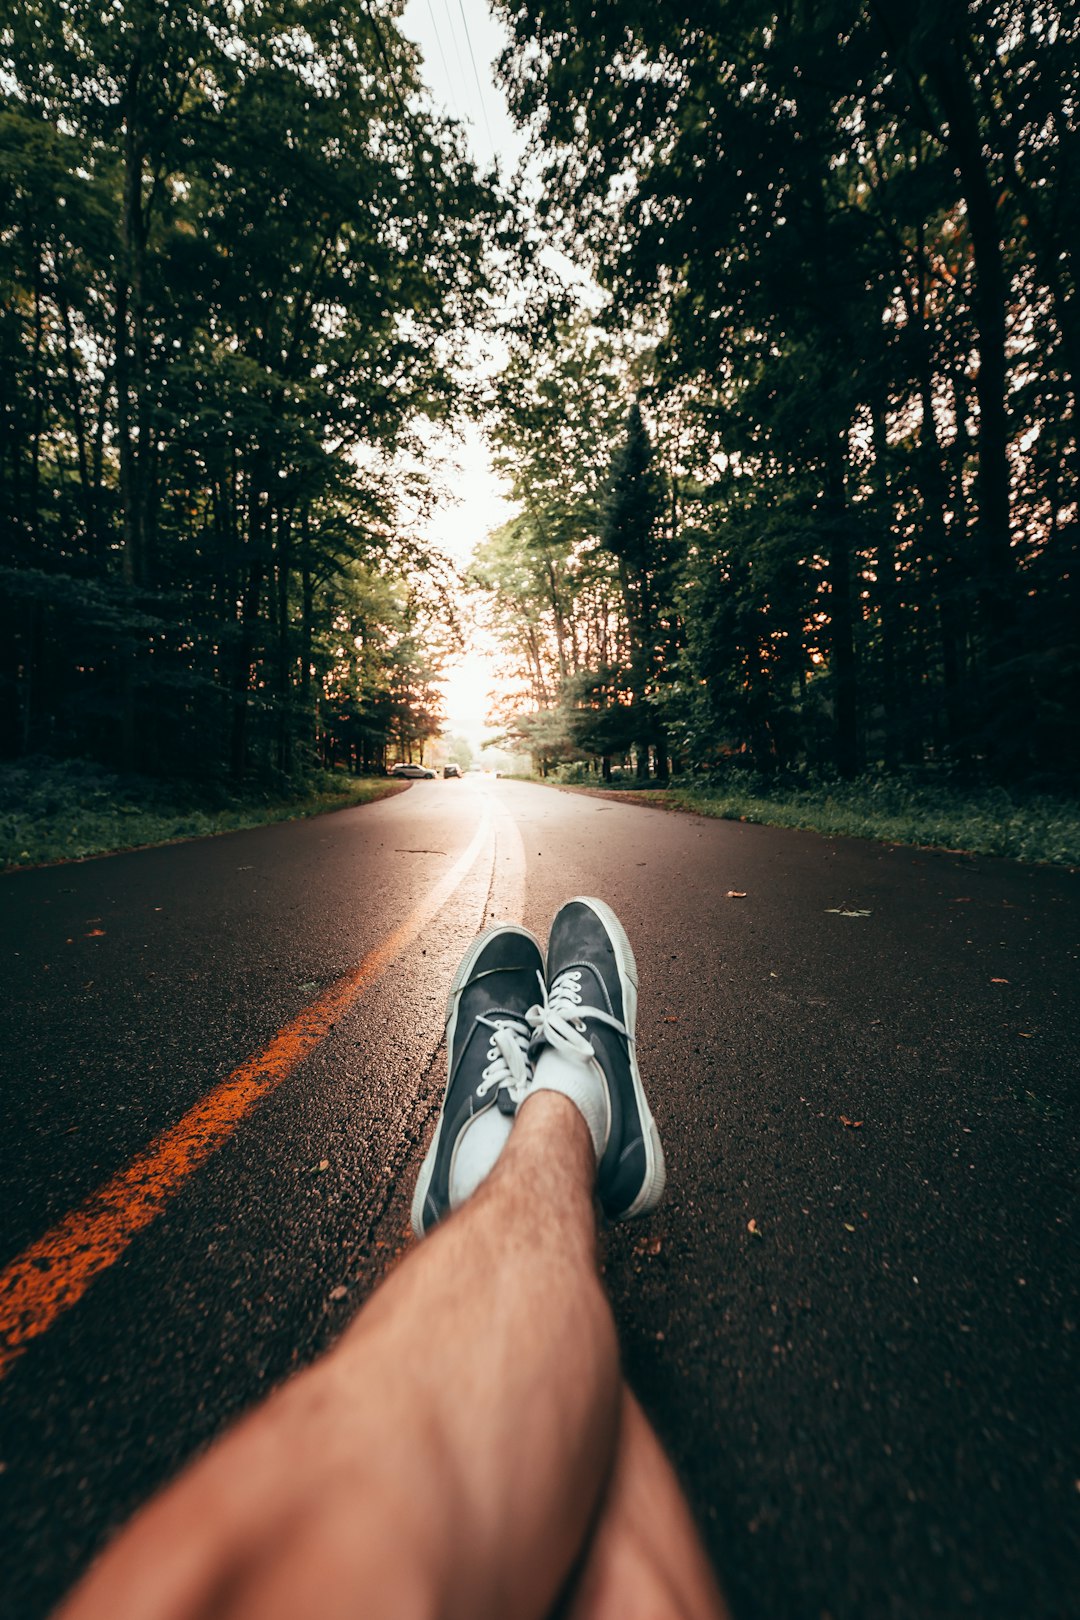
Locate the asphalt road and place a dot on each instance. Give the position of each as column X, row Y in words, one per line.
column 854, row 1320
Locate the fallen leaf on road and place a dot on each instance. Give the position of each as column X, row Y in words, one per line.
column 846, row 911
column 1025, row 1034
column 324, row 1164
column 852, row 1124
column 339, row 1292
column 736, row 894
column 999, row 981
column 669, row 1020
column 752, row 1227
column 96, row 933
column 651, row 1245
column 848, row 1227
column 961, row 900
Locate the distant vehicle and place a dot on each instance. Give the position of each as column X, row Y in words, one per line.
column 451, row 770
column 411, row 771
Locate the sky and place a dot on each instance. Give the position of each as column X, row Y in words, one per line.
column 460, row 40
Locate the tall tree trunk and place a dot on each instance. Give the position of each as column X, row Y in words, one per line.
column 37, row 398
column 636, row 608
column 129, row 352
column 86, row 496
column 946, row 566
column 997, row 584
column 307, row 616
column 844, row 667
column 556, row 612
column 284, row 681
column 660, row 745
column 249, row 613
column 887, row 592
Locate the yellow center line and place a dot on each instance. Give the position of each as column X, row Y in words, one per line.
column 54, row 1273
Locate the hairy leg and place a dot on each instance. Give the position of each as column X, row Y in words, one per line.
column 644, row 1560
column 444, row 1459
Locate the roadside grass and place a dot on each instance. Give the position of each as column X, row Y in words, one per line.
column 64, row 810
column 979, row 821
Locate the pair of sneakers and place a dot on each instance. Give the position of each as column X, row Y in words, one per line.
column 503, row 1043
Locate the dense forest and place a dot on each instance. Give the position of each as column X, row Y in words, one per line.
column 237, row 253
column 798, row 488
column 804, row 493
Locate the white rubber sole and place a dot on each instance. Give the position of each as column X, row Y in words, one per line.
column 652, row 1188
column 461, row 978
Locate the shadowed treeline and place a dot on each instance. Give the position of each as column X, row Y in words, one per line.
column 839, row 243
column 235, row 256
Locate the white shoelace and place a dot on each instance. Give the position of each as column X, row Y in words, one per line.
column 559, row 1021
column 556, row 1021
column 507, row 1057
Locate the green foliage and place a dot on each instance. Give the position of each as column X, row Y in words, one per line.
column 634, row 499
column 634, row 531
column 580, row 582
column 847, row 233
column 237, row 254
column 989, row 821
column 460, row 751
column 53, row 810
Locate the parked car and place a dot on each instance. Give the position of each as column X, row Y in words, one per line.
column 451, row 770
column 411, row 771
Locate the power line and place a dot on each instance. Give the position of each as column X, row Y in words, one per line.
column 476, row 76
column 454, row 41
column 442, row 59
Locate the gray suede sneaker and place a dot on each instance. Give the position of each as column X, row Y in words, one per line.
column 589, row 1019
column 488, row 1063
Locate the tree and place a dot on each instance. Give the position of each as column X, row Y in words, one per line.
column 847, row 233
column 632, row 532
column 239, row 253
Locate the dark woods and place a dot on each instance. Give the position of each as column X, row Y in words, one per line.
column 840, row 242
column 234, row 260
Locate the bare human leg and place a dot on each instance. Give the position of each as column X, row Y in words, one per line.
column 644, row 1559
column 469, row 1436
column 445, row 1460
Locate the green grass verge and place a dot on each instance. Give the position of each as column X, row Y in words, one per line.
column 53, row 810
column 980, row 821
